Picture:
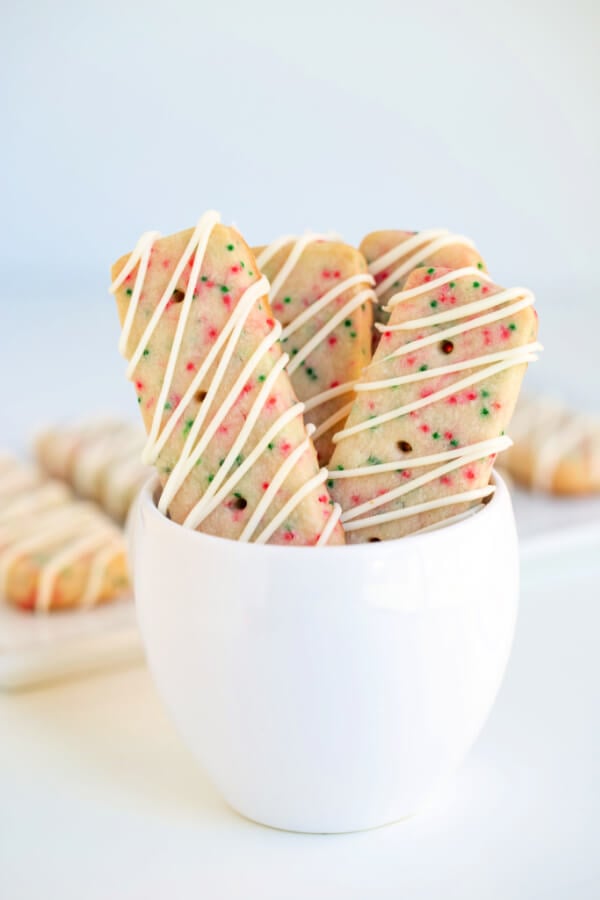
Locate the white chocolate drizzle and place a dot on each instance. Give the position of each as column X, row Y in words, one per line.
column 277, row 283
column 485, row 366
column 211, row 372
column 552, row 432
column 414, row 250
column 48, row 523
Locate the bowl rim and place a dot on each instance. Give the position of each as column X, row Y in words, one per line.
column 146, row 501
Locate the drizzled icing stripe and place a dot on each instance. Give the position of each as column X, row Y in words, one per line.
column 450, row 460
column 487, row 372
column 482, row 448
column 553, row 432
column 299, row 245
column 340, row 415
column 440, row 281
column 332, row 521
column 428, row 506
column 191, row 451
column 199, row 436
column 200, row 512
column 65, row 531
column 297, row 250
column 416, row 249
column 276, row 482
column 291, row 505
column 496, row 446
column 330, row 394
column 90, row 543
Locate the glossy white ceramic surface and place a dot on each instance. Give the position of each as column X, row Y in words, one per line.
column 328, row 689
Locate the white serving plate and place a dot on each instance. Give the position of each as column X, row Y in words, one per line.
column 549, row 525
column 37, row 648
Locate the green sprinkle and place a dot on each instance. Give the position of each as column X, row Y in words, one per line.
column 435, row 435
column 287, row 299
column 210, row 478
column 485, row 393
column 129, row 292
column 204, row 278
column 188, row 426
column 242, row 264
column 221, row 461
column 146, row 352
column 485, row 411
column 480, row 265
column 230, row 246
column 512, row 326
column 454, row 442
column 373, row 460
column 433, row 304
column 224, row 289
column 476, row 284
column 167, row 470
column 352, row 334
column 270, row 446
column 330, row 482
column 348, row 323
column 423, row 368
column 262, row 378
column 340, row 468
column 452, row 284
column 139, row 399
column 250, row 273
column 430, row 271
column 239, row 459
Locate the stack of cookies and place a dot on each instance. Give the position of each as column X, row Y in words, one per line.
column 277, row 412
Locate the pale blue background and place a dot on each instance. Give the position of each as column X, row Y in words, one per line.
column 120, row 117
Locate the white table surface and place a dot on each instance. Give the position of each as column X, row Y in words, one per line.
column 100, row 799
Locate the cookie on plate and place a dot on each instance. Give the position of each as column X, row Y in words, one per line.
column 430, row 412
column 225, row 431
column 55, row 552
column 322, row 294
column 392, row 255
column 555, row 449
column 100, row 459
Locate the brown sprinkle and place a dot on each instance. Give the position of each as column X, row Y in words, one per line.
column 446, row 347
column 374, row 540
column 240, row 503
column 200, row 395
column 178, row 296
column 404, row 446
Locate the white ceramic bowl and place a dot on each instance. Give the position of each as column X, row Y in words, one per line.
column 328, row 689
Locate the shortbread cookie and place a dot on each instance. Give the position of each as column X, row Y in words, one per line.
column 322, row 294
column 392, row 255
column 55, row 552
column 225, row 430
column 555, row 449
column 431, row 410
column 100, row 459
